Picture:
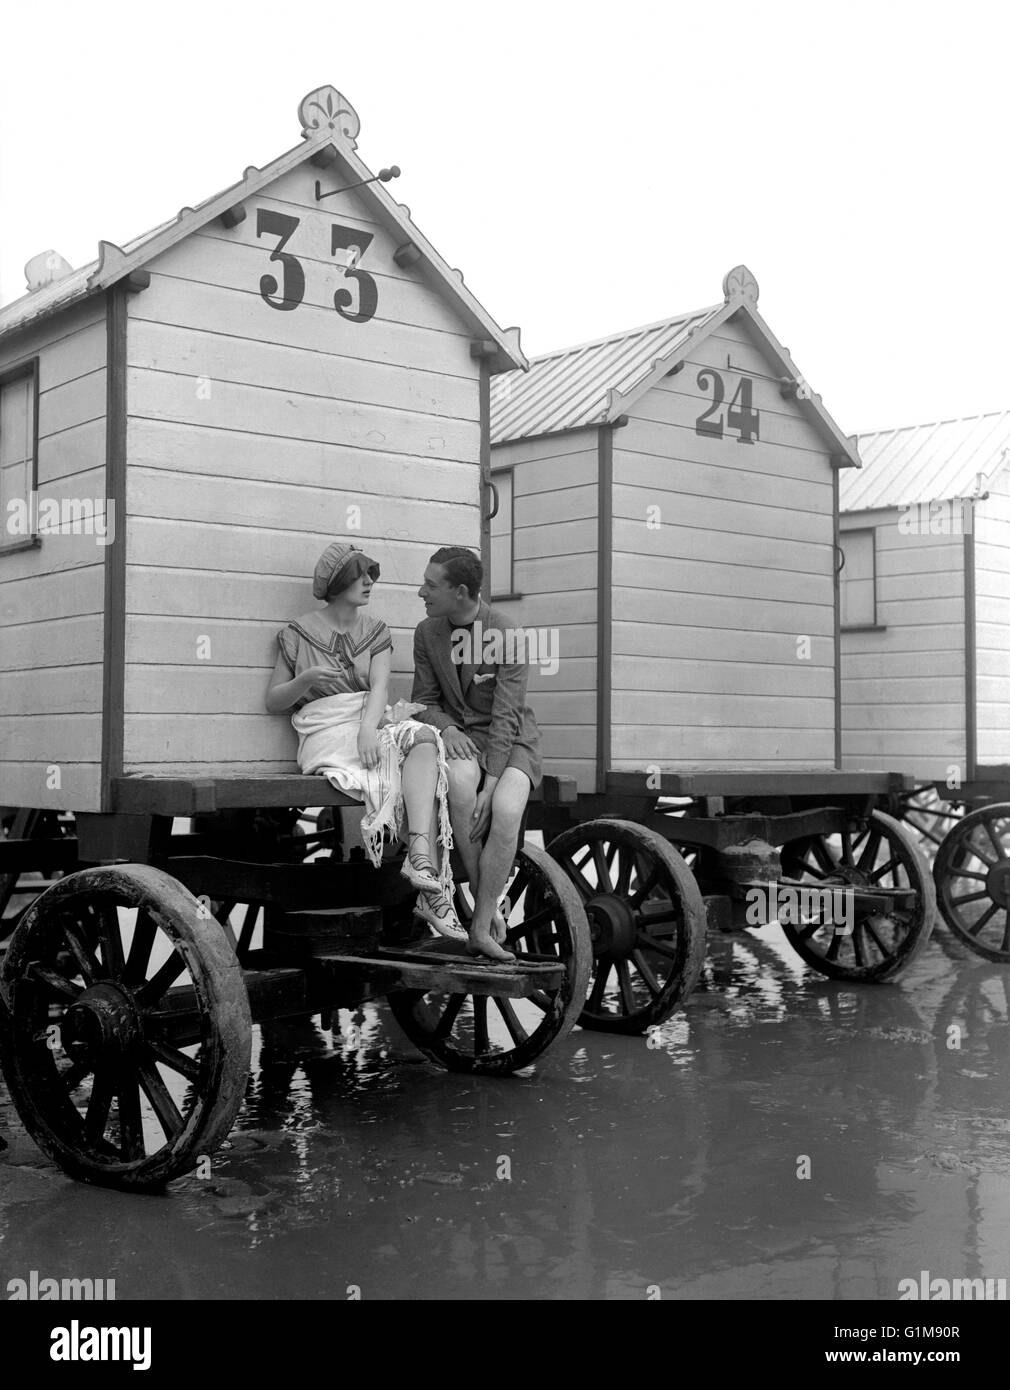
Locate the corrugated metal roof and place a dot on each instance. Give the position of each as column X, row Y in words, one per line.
column 922, row 463
column 568, row 388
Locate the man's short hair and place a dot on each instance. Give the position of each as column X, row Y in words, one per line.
column 461, row 566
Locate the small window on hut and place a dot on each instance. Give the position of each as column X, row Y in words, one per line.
column 501, row 538
column 859, row 579
column 17, row 456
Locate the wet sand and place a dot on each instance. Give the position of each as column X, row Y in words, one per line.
column 619, row 1168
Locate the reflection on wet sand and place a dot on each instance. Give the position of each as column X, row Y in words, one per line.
column 621, row 1168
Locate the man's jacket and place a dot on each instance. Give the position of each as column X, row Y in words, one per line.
column 490, row 698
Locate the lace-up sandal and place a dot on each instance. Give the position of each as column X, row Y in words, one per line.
column 436, row 909
column 422, row 876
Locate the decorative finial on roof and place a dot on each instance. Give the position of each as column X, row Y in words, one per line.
column 325, row 110
column 740, row 283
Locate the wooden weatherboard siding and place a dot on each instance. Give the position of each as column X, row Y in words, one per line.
column 722, row 562
column 252, row 433
column 51, row 595
column 555, row 501
column 903, row 683
column 992, row 622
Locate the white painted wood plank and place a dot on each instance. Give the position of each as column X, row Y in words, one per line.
column 24, row 784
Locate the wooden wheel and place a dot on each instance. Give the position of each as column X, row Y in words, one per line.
column 929, row 817
column 492, row 1036
column 646, row 917
column 126, row 1030
column 972, row 876
column 877, row 852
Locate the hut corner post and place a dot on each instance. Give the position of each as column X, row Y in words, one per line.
column 836, row 553
column 970, row 672
column 604, row 598
column 114, row 636
column 484, row 389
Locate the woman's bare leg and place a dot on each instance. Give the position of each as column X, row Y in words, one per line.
column 418, row 780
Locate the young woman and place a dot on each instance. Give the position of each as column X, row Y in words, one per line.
column 332, row 670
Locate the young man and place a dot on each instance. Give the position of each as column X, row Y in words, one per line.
column 491, row 738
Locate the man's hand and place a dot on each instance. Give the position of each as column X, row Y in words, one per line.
column 458, row 744
column 481, row 818
column 368, row 746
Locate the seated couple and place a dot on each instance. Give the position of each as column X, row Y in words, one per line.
column 459, row 761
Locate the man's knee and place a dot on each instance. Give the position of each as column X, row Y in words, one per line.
column 508, row 803
column 464, row 776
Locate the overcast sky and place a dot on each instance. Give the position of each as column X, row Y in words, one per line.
column 589, row 167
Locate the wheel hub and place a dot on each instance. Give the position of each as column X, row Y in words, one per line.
column 611, row 925
column 102, row 1020
column 997, row 883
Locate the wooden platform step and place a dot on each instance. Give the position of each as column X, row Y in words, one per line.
column 444, row 971
column 315, row 931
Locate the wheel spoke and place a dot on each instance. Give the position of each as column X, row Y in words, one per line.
column 624, row 873
column 969, row 897
column 131, row 1129
column 110, row 938
column 969, row 873
column 976, row 927
column 168, row 1113
column 449, row 1015
column 603, row 880
column 481, row 1042
column 871, row 933
column 857, row 944
column 583, row 888
column 161, row 981
column 878, row 874
column 52, row 980
column 645, row 970
column 823, row 855
column 646, row 888
column 1006, row 932
column 144, row 933
column 517, row 1032
column 651, row 943
column 86, row 962
column 624, row 980
column 99, row 1104
column 178, row 1061
column 541, row 998
column 603, row 969
column 868, row 857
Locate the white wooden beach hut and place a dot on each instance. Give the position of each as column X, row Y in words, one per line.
column 667, row 500
column 288, row 362
column 925, row 530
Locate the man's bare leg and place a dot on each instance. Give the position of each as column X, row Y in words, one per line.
column 508, row 803
column 464, row 776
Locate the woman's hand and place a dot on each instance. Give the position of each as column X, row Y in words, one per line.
column 368, row 746
column 322, row 678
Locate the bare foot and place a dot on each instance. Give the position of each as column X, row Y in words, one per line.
column 481, row 944
column 499, row 926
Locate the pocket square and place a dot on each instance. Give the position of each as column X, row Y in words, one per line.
column 482, row 680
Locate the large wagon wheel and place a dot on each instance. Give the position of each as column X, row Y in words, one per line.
column 489, row 1035
column 877, row 852
column 647, row 920
column 972, row 876
column 126, row 1029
